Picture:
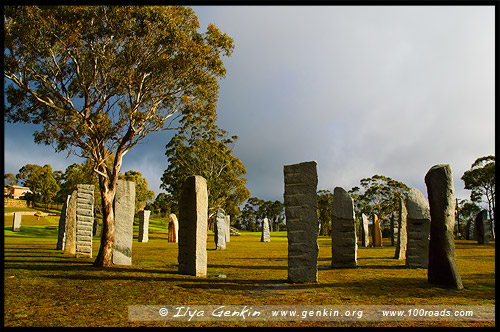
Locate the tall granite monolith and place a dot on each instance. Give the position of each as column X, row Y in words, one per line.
column 364, row 231
column 70, row 229
column 173, row 228
column 418, row 225
column 124, row 208
column 302, row 225
column 193, row 215
column 61, row 235
column 394, row 228
column 402, row 233
column 265, row 237
column 481, row 228
column 220, row 230
column 228, row 228
column 16, row 222
column 377, row 232
column 442, row 270
column 144, row 225
column 344, row 241
column 84, row 219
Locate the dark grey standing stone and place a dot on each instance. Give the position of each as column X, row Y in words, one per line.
column 124, row 208
column 193, row 218
column 84, row 219
column 16, row 222
column 302, row 225
column 481, row 228
column 220, row 230
column 70, row 233
column 402, row 235
column 442, row 270
column 61, row 236
column 344, row 242
column 394, row 228
column 95, row 229
column 418, row 230
column 144, row 225
column 470, row 230
column 265, row 237
column 364, row 231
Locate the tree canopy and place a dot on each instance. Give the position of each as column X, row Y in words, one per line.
column 480, row 179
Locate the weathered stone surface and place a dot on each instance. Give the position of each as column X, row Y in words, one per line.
column 344, row 241
column 61, row 236
column 481, row 228
column 364, row 232
column 418, row 229
column 394, row 228
column 220, row 230
column 228, row 229
column 124, row 208
column 469, row 231
column 377, row 232
column 265, row 237
column 173, row 228
column 70, row 233
column 402, row 235
column 193, row 218
column 16, row 222
column 442, row 270
column 300, row 202
column 84, row 219
column 144, row 225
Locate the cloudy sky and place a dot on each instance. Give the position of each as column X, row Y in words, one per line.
column 362, row 90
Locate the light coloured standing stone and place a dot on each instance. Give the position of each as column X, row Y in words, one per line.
column 61, row 237
column 265, row 237
column 442, row 270
column 364, row 231
column 228, row 228
column 16, row 222
column 173, row 228
column 344, row 241
column 84, row 219
column 193, row 218
column 377, row 232
column 144, row 225
column 418, row 230
column 70, row 233
column 124, row 209
column 402, row 236
column 481, row 228
column 302, row 225
column 220, row 230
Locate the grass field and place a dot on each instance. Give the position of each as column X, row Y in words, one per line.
column 44, row 287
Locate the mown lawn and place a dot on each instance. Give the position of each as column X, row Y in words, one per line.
column 44, row 287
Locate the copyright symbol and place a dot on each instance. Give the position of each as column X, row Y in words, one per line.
column 163, row 312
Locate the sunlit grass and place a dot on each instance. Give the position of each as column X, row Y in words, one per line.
column 44, row 287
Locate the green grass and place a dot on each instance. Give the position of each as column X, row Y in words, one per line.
column 44, row 287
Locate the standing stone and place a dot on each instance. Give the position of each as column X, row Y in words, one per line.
column 265, row 237
column 124, row 208
column 16, row 222
column 470, row 230
column 173, row 228
column 377, row 232
column 193, row 216
column 394, row 228
column 402, row 235
column 144, row 225
column 481, row 228
column 364, row 231
column 70, row 233
column 302, row 224
column 442, row 270
column 61, row 236
column 84, row 219
column 220, row 230
column 95, row 229
column 228, row 228
column 344, row 242
column 418, row 230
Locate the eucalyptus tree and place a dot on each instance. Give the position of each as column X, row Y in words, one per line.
column 98, row 79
